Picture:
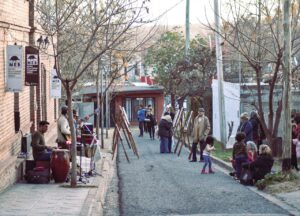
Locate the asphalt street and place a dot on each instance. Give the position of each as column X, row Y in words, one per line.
column 165, row 184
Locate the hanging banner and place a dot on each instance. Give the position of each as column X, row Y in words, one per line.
column 55, row 85
column 14, row 67
column 32, row 63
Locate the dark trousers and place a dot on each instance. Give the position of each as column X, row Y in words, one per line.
column 170, row 144
column 294, row 162
column 151, row 130
column 141, row 126
column 239, row 160
column 194, row 150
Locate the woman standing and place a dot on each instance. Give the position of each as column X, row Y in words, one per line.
column 164, row 132
column 151, row 123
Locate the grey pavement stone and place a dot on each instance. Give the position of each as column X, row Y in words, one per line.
column 51, row 199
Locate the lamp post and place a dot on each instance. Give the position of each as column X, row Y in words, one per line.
column 43, row 43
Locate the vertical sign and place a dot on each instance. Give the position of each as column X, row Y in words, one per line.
column 55, row 85
column 14, row 66
column 32, row 62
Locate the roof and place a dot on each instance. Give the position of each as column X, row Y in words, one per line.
column 125, row 89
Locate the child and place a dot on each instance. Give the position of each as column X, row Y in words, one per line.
column 206, row 154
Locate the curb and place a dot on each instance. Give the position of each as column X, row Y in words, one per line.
column 292, row 210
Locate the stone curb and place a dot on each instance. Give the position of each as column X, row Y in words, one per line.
column 292, row 210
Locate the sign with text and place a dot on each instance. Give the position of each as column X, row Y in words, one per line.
column 32, row 63
column 55, row 85
column 14, row 67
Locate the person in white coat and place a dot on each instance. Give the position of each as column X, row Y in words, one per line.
column 63, row 130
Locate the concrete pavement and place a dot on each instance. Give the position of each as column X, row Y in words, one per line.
column 59, row 199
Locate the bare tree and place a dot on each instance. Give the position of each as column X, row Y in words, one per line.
column 78, row 39
column 254, row 31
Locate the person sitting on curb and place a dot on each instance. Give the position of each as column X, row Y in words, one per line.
column 40, row 151
column 262, row 165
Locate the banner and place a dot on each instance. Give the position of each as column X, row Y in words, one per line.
column 14, row 67
column 32, row 63
column 55, row 85
column 232, row 110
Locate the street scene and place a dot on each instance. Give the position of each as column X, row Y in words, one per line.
column 150, row 107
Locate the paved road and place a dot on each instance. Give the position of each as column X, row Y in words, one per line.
column 164, row 184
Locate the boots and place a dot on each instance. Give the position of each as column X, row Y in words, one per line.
column 211, row 172
column 203, row 171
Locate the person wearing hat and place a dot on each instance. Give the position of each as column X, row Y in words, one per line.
column 246, row 127
column 40, row 151
column 201, row 130
column 63, row 130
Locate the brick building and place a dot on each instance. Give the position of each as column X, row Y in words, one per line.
column 21, row 111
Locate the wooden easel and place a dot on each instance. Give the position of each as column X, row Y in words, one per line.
column 123, row 124
column 184, row 134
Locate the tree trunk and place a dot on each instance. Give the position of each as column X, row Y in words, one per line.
column 73, row 135
column 173, row 100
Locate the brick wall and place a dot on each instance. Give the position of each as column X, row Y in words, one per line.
column 14, row 28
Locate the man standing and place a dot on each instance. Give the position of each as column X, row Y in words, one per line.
column 141, row 115
column 63, row 130
column 40, row 151
column 200, row 132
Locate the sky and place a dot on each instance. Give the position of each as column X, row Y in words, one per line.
column 176, row 15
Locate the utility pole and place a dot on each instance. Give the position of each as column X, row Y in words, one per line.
column 187, row 28
column 220, row 75
column 286, row 155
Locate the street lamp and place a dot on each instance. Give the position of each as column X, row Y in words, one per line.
column 43, row 43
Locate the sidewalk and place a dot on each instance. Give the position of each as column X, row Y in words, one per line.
column 59, row 199
column 288, row 201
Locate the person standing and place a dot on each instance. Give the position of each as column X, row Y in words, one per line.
column 239, row 153
column 141, row 114
column 209, row 147
column 246, row 127
column 63, row 130
column 164, row 132
column 40, row 151
column 200, row 131
column 151, row 124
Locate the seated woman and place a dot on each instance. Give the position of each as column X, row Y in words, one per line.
column 262, row 165
column 251, row 151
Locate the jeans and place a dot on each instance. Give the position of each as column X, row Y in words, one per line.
column 164, row 141
column 207, row 160
column 239, row 160
column 141, row 126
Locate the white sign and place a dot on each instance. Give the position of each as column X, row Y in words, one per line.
column 14, row 67
column 55, row 85
column 232, row 110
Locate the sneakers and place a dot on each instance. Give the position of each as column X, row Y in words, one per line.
column 211, row 172
column 193, row 161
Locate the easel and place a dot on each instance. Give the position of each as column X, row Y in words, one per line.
column 123, row 123
column 184, row 133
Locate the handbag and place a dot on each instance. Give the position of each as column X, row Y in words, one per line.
column 246, row 177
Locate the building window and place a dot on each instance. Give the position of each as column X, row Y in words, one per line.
column 131, row 106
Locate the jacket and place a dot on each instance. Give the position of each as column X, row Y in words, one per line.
column 246, row 127
column 239, row 148
column 63, row 128
column 201, row 128
column 261, row 166
column 141, row 115
column 165, row 126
